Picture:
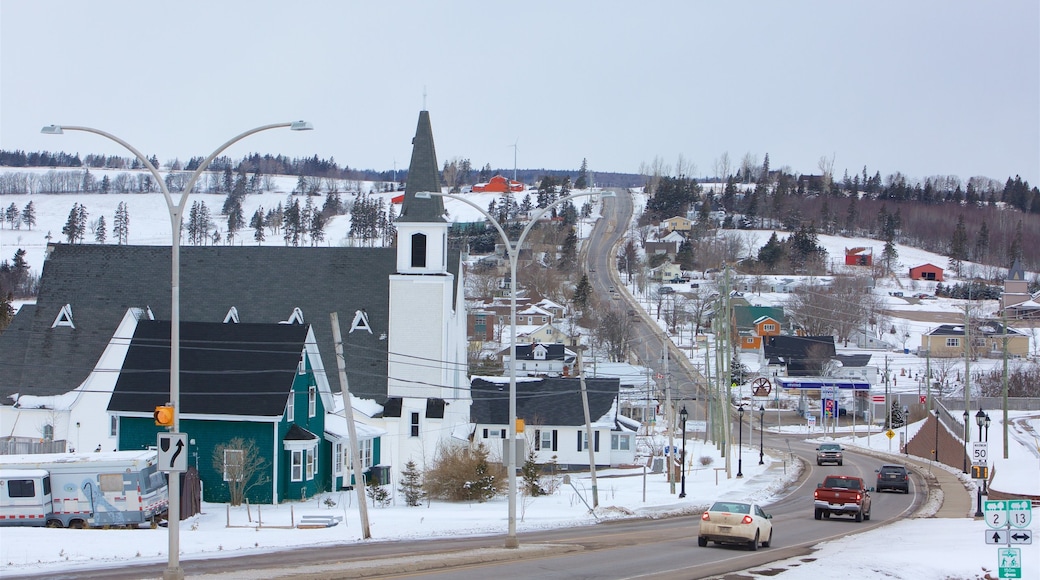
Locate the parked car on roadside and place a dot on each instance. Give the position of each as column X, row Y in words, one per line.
column 893, row 477
column 735, row 522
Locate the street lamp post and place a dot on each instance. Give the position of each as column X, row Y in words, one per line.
column 740, row 441
column 986, row 425
column 761, row 433
column 513, row 250
column 683, row 415
column 964, row 460
column 980, row 420
column 176, row 211
column 935, row 452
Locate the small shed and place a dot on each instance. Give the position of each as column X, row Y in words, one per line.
column 859, row 256
column 929, row 272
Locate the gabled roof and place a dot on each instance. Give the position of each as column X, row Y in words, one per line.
column 745, row 316
column 553, row 351
column 1017, row 272
column 423, row 175
column 853, row 360
column 226, row 369
column 548, row 401
column 987, row 328
column 264, row 283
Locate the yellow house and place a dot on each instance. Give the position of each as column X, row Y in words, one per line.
column 677, row 223
column 948, row 340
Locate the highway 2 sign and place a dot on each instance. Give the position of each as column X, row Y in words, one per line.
column 996, row 513
column 173, row 452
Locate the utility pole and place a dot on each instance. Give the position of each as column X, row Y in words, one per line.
column 348, row 410
column 888, row 404
column 588, row 432
column 1004, row 380
column 671, row 425
column 967, row 357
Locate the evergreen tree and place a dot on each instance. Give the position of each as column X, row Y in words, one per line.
column 531, row 473
column 982, row 243
column 772, row 252
column 100, row 233
column 257, row 223
column 236, row 219
column 291, row 226
column 851, row 214
column 526, row 206
column 12, row 215
column 685, row 255
column 29, row 215
column 106, row 184
column 959, row 245
column 317, row 228
column 70, row 229
column 582, row 293
column 568, row 252
column 411, row 485
column 81, row 222
column 121, row 224
column 1014, row 251
column 582, row 182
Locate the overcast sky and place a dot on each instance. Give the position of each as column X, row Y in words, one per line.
column 924, row 88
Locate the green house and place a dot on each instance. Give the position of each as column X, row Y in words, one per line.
column 257, row 383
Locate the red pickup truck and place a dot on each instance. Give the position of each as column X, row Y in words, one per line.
column 842, row 495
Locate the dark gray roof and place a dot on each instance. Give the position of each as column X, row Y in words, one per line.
column 985, row 327
column 549, row 401
column 853, row 360
column 423, row 175
column 226, row 369
column 264, row 284
column 1017, row 272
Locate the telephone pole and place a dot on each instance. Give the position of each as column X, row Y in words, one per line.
column 671, row 426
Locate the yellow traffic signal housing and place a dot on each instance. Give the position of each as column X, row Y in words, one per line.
column 980, row 472
column 164, row 416
column 519, row 425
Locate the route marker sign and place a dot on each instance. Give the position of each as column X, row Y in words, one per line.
column 1009, row 562
column 995, row 513
column 996, row 536
column 1020, row 512
column 173, row 452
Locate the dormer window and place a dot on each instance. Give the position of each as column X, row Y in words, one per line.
column 295, row 318
column 64, row 317
column 231, row 316
column 418, row 250
column 360, row 322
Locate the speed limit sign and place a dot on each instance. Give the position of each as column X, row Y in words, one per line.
column 980, row 454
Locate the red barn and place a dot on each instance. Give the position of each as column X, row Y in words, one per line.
column 927, row 272
column 499, row 184
column 859, row 257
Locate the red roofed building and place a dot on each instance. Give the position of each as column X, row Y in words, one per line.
column 498, row 184
column 927, row 272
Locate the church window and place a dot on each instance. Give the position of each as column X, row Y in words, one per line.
column 418, row 250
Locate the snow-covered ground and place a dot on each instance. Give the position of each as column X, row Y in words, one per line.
column 910, row 549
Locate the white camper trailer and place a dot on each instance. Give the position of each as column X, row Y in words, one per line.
column 120, row 488
column 25, row 497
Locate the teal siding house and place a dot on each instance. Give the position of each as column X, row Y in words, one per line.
column 260, row 383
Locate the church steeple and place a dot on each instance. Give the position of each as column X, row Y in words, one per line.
column 423, row 175
column 422, row 231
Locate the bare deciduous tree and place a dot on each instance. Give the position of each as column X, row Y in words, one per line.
column 242, row 466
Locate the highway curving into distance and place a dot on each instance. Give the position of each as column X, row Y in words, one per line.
column 635, row 548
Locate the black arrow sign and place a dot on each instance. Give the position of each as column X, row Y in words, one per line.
column 1020, row 536
column 173, row 458
column 996, row 537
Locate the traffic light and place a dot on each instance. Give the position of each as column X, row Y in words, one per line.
column 164, row 416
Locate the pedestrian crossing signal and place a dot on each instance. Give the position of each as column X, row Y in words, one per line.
column 979, row 472
column 164, row 416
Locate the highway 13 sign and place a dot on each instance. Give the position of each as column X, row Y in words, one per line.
column 1020, row 512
